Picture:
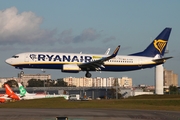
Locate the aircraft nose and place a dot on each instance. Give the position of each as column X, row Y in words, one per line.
column 8, row 61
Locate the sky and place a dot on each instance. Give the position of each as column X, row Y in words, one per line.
column 88, row 26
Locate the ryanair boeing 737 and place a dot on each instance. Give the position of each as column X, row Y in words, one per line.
column 74, row 63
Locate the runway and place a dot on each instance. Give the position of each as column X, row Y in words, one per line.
column 86, row 114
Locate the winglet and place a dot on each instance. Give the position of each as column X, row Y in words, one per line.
column 107, row 52
column 113, row 55
column 115, row 51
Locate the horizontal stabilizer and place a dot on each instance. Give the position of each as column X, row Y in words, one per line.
column 162, row 59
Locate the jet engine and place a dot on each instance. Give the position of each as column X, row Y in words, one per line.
column 71, row 68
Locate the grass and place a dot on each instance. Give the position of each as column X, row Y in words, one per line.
column 145, row 102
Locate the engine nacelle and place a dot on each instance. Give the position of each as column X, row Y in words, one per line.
column 71, row 68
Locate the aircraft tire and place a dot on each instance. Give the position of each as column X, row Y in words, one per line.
column 88, row 75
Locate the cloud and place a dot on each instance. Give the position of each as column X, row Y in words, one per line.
column 22, row 28
column 89, row 34
column 84, row 49
column 112, row 38
column 66, row 36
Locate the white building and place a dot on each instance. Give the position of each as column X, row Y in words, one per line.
column 26, row 77
column 98, row 82
column 125, row 82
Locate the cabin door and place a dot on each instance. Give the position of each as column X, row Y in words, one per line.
column 140, row 62
column 26, row 58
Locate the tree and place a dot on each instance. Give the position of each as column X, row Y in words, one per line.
column 61, row 83
column 12, row 83
column 35, row 83
column 173, row 89
column 49, row 83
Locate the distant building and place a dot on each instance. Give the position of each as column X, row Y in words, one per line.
column 125, row 82
column 170, row 78
column 79, row 82
column 88, row 82
column 98, row 82
column 26, row 77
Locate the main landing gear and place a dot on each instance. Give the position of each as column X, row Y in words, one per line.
column 88, row 75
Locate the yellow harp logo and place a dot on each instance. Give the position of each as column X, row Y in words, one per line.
column 159, row 45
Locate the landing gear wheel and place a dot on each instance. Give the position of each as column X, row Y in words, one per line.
column 88, row 75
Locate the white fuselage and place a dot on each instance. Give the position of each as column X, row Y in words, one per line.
column 41, row 96
column 49, row 60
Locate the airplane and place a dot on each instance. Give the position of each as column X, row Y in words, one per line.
column 4, row 98
column 10, row 95
column 27, row 96
column 152, row 56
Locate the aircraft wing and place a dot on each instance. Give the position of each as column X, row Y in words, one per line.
column 162, row 59
column 97, row 64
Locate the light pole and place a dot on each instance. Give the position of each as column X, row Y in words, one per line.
column 44, row 79
column 21, row 76
column 106, row 88
column 116, row 89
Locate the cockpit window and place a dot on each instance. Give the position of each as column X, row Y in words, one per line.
column 14, row 56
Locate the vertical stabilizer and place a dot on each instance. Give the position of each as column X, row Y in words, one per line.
column 158, row 46
column 22, row 90
column 10, row 93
